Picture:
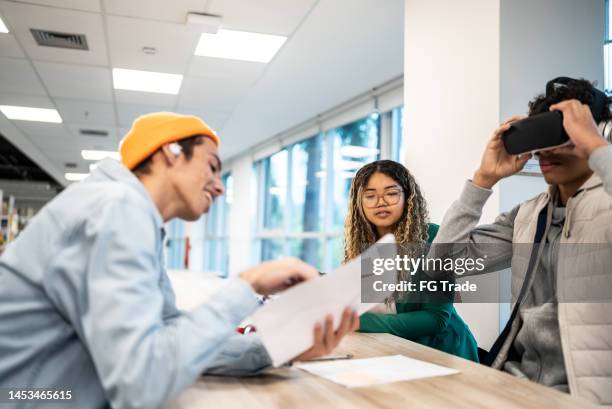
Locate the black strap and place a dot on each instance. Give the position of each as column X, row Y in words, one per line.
column 499, row 342
column 598, row 105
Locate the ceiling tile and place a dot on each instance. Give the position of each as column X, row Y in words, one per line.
column 111, row 139
column 129, row 112
column 145, row 98
column 96, row 143
column 9, row 46
column 262, row 16
column 76, row 81
column 19, row 77
column 43, row 129
column 48, row 137
column 219, row 93
column 174, row 44
column 72, row 155
column 25, row 100
column 86, row 112
column 214, row 118
column 222, row 68
column 86, row 5
column 175, row 11
column 22, row 17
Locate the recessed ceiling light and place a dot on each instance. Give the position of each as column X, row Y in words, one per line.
column 99, row 155
column 75, row 177
column 146, row 81
column 31, row 114
column 239, row 45
column 3, row 28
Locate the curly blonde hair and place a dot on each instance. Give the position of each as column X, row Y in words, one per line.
column 411, row 228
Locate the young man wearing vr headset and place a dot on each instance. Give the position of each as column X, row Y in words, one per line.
column 562, row 344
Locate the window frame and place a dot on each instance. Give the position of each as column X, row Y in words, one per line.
column 607, row 49
column 388, row 143
column 219, row 216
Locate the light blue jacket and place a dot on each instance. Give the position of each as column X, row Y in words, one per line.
column 86, row 305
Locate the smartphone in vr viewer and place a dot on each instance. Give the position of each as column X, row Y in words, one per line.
column 537, row 133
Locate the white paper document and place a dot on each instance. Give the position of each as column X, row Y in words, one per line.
column 355, row 373
column 286, row 324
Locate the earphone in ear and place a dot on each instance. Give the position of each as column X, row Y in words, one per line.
column 175, row 148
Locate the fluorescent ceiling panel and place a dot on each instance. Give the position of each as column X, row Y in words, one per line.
column 99, row 155
column 31, row 114
column 3, row 28
column 75, row 177
column 239, row 45
column 147, row 81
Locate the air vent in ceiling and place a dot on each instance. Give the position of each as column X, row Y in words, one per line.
column 93, row 132
column 70, row 165
column 61, row 40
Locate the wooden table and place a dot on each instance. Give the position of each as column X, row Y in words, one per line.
column 476, row 386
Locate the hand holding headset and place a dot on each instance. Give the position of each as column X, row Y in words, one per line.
column 545, row 131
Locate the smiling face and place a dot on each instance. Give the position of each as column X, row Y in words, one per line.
column 382, row 202
column 561, row 168
column 197, row 181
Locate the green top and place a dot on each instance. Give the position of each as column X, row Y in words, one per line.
column 435, row 325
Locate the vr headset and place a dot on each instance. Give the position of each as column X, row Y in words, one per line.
column 545, row 131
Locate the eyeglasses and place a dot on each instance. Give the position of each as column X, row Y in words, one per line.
column 390, row 197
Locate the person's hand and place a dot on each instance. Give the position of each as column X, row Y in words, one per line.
column 326, row 339
column 274, row 276
column 580, row 127
column 496, row 163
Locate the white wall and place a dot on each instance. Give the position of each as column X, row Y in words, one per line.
column 242, row 214
column 451, row 91
column 467, row 66
column 544, row 39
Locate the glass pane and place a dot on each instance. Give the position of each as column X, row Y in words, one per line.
column 224, row 257
column 271, row 249
column 307, row 185
column 275, row 190
column 212, row 218
column 308, row 250
column 609, row 21
column 608, row 67
column 335, row 253
column 210, row 255
column 397, row 120
column 355, row 145
column 228, row 182
column 175, row 254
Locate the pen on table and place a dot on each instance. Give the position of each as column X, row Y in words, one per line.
column 331, row 358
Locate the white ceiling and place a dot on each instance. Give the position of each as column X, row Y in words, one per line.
column 336, row 49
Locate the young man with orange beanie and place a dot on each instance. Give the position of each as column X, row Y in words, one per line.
column 85, row 303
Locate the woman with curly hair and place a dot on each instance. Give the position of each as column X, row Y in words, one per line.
column 385, row 198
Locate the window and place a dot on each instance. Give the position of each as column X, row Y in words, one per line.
column 354, row 145
column 212, row 245
column 216, row 231
column 302, row 205
column 175, row 244
column 397, row 138
column 608, row 50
